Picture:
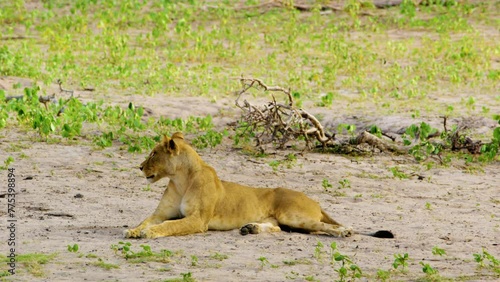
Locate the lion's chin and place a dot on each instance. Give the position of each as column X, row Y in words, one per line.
column 151, row 178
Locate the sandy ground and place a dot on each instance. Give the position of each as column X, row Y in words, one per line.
column 454, row 208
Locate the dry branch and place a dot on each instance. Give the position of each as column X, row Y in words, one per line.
column 276, row 122
column 382, row 145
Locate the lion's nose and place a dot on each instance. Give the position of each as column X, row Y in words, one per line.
column 141, row 167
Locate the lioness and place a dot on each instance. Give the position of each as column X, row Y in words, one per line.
column 196, row 200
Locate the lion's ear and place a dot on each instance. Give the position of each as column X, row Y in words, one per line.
column 172, row 147
column 178, row 135
column 165, row 139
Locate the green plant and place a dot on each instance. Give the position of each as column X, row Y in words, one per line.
column 194, row 260
column 275, row 164
column 470, row 104
column 326, row 184
column 137, row 144
column 318, row 249
column 296, row 261
column 297, row 98
column 32, row 262
column 350, row 128
column 375, row 130
column 243, row 134
column 105, row 140
column 219, row 256
column 485, row 256
column 326, row 100
column 66, row 118
column 102, row 264
column 400, row 260
column 7, row 162
column 347, row 271
column 421, row 134
column 438, row 251
column 396, row 172
column 186, row 277
column 490, row 151
column 310, row 278
column 263, row 261
column 427, row 269
column 73, row 248
column 290, row 160
column 210, row 138
column 145, row 254
column 123, row 247
column 383, row 275
column 344, row 183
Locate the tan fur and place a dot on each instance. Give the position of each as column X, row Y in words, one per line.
column 196, row 200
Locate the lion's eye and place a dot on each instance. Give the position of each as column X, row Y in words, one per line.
column 153, row 154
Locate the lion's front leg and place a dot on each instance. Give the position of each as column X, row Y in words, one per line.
column 136, row 232
column 184, row 226
column 168, row 208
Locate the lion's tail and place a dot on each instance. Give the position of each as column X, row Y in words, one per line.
column 379, row 234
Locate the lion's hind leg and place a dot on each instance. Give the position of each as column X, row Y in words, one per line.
column 268, row 225
column 313, row 222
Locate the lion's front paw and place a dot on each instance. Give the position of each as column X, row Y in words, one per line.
column 149, row 234
column 131, row 233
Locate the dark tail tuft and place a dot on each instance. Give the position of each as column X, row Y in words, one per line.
column 386, row 234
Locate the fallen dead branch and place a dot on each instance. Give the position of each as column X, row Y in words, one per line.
column 279, row 123
column 276, row 122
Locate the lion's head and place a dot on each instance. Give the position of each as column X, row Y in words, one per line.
column 163, row 159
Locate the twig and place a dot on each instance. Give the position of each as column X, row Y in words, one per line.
column 61, row 89
column 389, row 136
column 47, row 99
column 444, row 124
column 65, row 90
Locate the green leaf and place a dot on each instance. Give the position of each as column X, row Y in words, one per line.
column 375, row 130
column 412, row 131
column 496, row 135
